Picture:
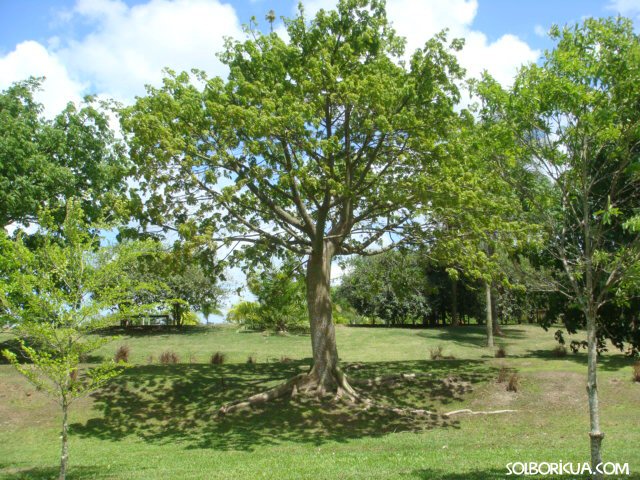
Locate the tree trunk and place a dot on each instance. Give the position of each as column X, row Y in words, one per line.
column 325, row 369
column 487, row 288
column 64, row 456
column 595, row 434
column 497, row 331
column 455, row 319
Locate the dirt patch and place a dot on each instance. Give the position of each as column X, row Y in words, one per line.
column 561, row 389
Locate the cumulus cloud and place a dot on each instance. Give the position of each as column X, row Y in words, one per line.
column 540, row 31
column 33, row 59
column 129, row 46
column 625, row 7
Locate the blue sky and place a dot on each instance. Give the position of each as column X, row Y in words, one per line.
column 114, row 47
column 35, row 19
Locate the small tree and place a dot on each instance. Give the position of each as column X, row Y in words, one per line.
column 577, row 119
column 56, row 295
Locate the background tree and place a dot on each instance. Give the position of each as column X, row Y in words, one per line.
column 314, row 147
column 51, row 295
column 577, row 117
column 280, row 299
column 188, row 278
column 43, row 163
column 394, row 287
column 480, row 217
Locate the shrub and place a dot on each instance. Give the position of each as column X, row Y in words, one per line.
column 501, row 352
column 122, row 354
column 169, row 357
column 218, row 358
column 514, row 383
column 251, row 360
column 636, row 371
column 559, row 351
column 436, row 353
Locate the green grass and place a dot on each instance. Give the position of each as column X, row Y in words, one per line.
column 157, row 422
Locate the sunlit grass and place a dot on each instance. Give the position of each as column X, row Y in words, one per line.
column 160, row 421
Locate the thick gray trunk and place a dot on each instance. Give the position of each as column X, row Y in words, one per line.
column 323, row 334
column 595, row 434
column 487, row 288
column 64, row 456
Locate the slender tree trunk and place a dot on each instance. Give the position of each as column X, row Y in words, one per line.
column 455, row 319
column 487, row 288
column 595, row 434
column 497, row 331
column 323, row 335
column 64, row 455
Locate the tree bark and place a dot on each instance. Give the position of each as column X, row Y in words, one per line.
column 489, row 322
column 455, row 319
column 497, row 331
column 595, row 434
column 64, row 455
column 325, row 371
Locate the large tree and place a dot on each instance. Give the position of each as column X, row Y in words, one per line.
column 45, row 162
column 576, row 116
column 315, row 145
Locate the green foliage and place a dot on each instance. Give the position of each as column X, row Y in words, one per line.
column 188, row 276
column 280, row 295
column 392, row 286
column 576, row 120
column 189, row 318
column 43, row 162
column 315, row 137
column 61, row 291
column 58, row 293
column 400, row 287
column 245, row 313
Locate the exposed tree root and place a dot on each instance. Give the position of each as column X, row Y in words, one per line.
column 422, row 412
column 471, row 412
column 384, row 380
column 310, row 384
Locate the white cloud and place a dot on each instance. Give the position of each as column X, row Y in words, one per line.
column 625, row 7
column 129, row 46
column 540, row 31
column 501, row 58
column 33, row 59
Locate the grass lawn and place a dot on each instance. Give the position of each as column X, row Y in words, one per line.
column 159, row 422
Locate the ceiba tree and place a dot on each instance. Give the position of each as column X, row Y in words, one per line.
column 318, row 145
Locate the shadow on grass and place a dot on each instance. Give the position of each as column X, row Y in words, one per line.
column 157, row 330
column 609, row 361
column 47, row 473
column 179, row 403
column 474, row 336
column 500, row 474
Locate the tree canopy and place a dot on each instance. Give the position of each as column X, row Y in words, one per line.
column 44, row 163
column 318, row 145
